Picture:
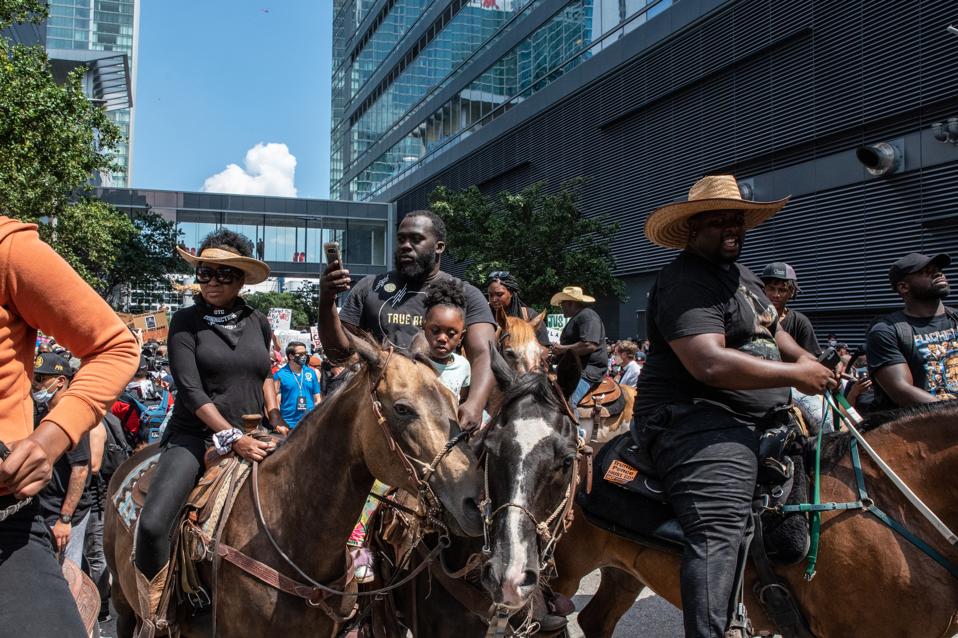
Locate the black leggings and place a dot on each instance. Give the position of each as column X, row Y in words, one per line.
column 179, row 469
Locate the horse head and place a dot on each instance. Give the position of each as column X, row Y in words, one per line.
column 418, row 421
column 518, row 343
column 530, row 472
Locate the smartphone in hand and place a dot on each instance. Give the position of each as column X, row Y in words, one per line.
column 331, row 248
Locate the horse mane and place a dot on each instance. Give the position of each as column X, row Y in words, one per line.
column 534, row 385
column 520, row 330
column 836, row 445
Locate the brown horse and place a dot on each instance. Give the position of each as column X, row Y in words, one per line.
column 518, row 344
column 313, row 489
column 870, row 581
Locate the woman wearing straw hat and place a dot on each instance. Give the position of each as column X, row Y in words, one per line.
column 583, row 336
column 718, row 372
column 219, row 357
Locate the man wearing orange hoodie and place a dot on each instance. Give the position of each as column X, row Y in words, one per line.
column 39, row 290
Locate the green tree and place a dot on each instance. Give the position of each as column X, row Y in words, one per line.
column 263, row 301
column 541, row 238
column 146, row 258
column 52, row 141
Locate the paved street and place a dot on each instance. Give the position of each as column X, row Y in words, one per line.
column 650, row 616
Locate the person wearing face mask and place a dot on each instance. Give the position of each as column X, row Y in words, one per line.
column 297, row 386
column 64, row 501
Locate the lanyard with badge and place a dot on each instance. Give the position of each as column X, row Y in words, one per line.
column 300, row 399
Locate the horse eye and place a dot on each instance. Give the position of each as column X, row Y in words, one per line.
column 403, row 409
column 568, row 461
column 511, row 353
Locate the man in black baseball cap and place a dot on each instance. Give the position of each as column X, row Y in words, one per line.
column 65, row 500
column 913, row 352
column 781, row 286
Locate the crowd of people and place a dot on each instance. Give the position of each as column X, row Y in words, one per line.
column 727, row 357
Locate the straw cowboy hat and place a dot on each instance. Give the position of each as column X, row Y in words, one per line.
column 668, row 226
column 570, row 293
column 256, row 270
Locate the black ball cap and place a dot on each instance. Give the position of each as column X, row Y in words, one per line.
column 52, row 364
column 913, row 262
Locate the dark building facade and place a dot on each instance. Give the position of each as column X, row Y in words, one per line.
column 780, row 93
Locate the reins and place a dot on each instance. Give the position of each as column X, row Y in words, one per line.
column 314, row 592
column 851, row 419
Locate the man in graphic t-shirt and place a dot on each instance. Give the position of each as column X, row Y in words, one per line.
column 390, row 306
column 913, row 352
column 718, row 372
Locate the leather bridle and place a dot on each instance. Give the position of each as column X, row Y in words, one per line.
column 548, row 531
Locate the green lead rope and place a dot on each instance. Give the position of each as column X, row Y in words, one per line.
column 816, row 527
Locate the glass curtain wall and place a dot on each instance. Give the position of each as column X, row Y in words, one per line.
column 97, row 25
column 291, row 239
column 559, row 45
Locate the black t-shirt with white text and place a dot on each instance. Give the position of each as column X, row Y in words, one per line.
column 392, row 309
column 693, row 296
column 53, row 493
column 800, row 328
column 586, row 325
column 931, row 354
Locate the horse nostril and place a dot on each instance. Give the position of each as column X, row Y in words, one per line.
column 530, row 578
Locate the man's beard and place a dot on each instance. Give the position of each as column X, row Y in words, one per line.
column 416, row 270
column 931, row 293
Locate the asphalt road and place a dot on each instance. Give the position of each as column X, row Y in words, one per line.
column 650, row 616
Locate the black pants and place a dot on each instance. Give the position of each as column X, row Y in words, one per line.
column 34, row 597
column 708, row 464
column 179, row 469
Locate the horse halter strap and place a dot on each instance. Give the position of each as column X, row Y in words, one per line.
column 426, row 496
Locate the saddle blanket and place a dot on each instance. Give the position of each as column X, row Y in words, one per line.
column 627, row 501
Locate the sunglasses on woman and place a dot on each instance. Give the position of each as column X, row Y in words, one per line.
column 224, row 274
column 499, row 274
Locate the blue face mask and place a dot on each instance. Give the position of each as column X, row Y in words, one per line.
column 42, row 397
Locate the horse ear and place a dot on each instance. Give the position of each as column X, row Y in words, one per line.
column 538, row 319
column 367, row 351
column 504, row 375
column 501, row 317
column 419, row 345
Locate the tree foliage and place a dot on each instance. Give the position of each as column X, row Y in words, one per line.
column 263, row 301
column 540, row 238
column 52, row 141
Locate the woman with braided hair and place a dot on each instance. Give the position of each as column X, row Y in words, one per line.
column 503, row 292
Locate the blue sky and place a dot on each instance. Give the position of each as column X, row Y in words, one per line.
column 217, row 77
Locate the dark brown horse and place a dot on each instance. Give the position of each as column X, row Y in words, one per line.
column 313, row 489
column 529, row 459
column 870, row 581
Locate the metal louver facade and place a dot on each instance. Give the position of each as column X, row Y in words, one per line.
column 779, row 93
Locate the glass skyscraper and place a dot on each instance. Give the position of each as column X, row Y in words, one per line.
column 400, row 95
column 102, row 28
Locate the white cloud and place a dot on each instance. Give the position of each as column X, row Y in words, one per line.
column 270, row 169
